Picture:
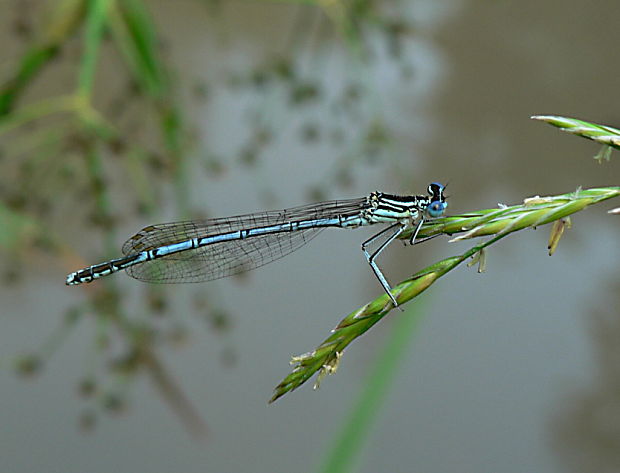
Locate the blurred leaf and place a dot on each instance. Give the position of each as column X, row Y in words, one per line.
column 59, row 104
column 28, row 365
column 66, row 16
column 64, row 20
column 16, row 229
column 135, row 37
column 304, row 92
column 136, row 163
column 95, row 22
column 37, row 110
column 87, row 421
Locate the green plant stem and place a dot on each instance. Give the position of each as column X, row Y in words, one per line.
column 60, row 104
column 347, row 445
column 136, row 39
column 603, row 134
column 64, row 103
column 498, row 222
column 94, row 165
column 134, row 35
column 31, row 63
column 96, row 18
column 64, row 20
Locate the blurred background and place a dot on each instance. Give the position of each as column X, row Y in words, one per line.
column 117, row 114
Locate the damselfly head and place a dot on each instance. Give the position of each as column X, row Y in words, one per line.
column 437, row 202
column 435, row 190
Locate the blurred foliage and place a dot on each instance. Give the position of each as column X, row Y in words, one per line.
column 75, row 147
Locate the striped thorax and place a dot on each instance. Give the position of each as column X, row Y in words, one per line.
column 389, row 208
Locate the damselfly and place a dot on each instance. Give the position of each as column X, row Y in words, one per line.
column 196, row 251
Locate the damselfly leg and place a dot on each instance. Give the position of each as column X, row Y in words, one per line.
column 414, row 235
column 397, row 229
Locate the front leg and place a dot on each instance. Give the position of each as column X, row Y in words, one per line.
column 416, row 231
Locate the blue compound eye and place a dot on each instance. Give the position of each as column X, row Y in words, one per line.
column 436, row 208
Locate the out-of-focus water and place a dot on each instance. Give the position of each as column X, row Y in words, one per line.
column 511, row 371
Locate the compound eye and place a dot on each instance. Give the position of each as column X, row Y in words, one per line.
column 436, row 208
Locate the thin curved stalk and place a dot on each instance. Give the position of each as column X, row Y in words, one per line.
column 608, row 136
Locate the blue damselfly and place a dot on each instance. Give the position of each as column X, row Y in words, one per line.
column 196, row 251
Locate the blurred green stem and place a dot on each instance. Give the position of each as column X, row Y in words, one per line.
column 102, row 204
column 347, row 445
column 93, row 36
column 65, row 18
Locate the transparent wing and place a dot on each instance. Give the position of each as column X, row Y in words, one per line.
column 226, row 258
